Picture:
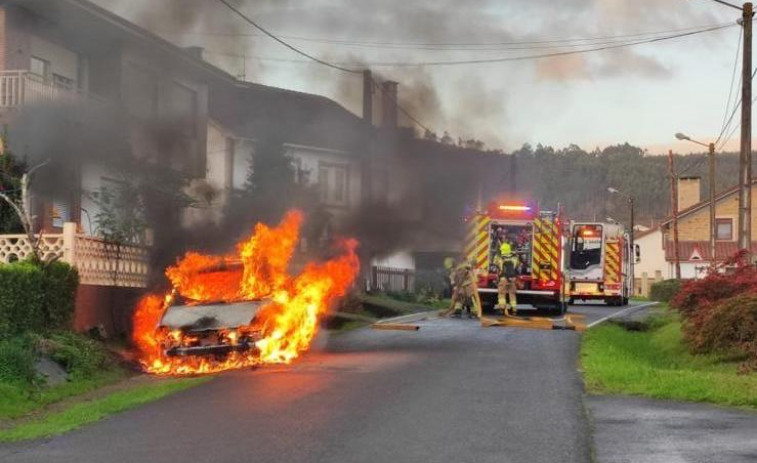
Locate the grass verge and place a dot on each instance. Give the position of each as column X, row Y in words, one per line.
column 83, row 413
column 383, row 306
column 18, row 399
column 656, row 363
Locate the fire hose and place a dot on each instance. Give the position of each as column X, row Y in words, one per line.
column 570, row 322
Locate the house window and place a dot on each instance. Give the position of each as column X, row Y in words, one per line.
column 141, row 87
column 63, row 82
column 61, row 213
column 242, row 168
column 182, row 108
column 39, row 67
column 333, row 181
column 724, row 229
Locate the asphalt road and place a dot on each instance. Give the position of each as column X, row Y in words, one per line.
column 451, row 392
column 638, row 430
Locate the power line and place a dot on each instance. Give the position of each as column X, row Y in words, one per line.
column 545, row 55
column 502, row 48
column 733, row 113
column 291, row 47
column 730, row 89
column 317, row 60
column 489, row 60
column 400, row 108
column 728, row 4
column 735, row 127
column 443, row 45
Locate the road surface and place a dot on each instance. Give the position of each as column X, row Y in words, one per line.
column 451, row 392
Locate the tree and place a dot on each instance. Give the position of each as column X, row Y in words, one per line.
column 11, row 171
column 18, row 202
column 274, row 185
column 121, row 216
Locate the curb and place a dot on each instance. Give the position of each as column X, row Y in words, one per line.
column 631, row 309
column 413, row 317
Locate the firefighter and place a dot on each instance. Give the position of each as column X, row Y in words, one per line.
column 508, row 271
column 463, row 292
column 449, row 268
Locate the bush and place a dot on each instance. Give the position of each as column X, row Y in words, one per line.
column 17, row 358
column 696, row 295
column 79, row 355
column 730, row 326
column 36, row 298
column 664, row 291
column 720, row 313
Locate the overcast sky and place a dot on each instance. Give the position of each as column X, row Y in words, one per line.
column 641, row 95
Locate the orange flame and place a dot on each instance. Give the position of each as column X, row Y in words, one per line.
column 287, row 324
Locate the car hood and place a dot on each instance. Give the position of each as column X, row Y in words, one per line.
column 208, row 317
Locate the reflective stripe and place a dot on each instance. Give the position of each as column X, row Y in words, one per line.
column 546, row 248
column 477, row 241
column 612, row 262
column 520, row 291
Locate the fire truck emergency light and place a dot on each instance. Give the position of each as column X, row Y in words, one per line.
column 505, row 207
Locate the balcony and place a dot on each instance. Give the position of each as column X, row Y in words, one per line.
column 22, row 88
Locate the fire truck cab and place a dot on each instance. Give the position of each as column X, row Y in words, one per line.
column 599, row 263
column 537, row 242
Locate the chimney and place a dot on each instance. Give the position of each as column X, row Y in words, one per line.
column 688, row 192
column 389, row 104
column 195, row 51
column 368, row 96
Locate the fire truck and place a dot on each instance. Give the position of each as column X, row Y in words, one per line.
column 599, row 265
column 538, row 243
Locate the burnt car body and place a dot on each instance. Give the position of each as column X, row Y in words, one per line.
column 210, row 329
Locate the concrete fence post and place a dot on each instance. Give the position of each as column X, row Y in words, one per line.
column 69, row 242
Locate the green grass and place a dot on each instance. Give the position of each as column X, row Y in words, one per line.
column 87, row 412
column 18, row 399
column 656, row 363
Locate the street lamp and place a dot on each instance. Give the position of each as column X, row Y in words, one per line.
column 632, row 256
column 713, row 222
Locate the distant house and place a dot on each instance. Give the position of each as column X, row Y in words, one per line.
column 694, row 230
column 652, row 264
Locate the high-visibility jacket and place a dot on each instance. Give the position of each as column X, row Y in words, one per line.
column 507, row 256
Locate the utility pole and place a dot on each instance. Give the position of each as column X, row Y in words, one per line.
column 713, row 222
column 745, row 155
column 632, row 256
column 674, row 208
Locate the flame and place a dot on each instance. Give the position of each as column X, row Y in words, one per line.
column 287, row 325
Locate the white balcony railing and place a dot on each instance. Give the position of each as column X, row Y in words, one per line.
column 98, row 262
column 22, row 88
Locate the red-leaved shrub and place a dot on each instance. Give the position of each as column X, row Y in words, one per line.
column 720, row 311
column 729, row 326
column 696, row 295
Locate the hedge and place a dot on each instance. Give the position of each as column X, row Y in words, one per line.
column 665, row 290
column 36, row 298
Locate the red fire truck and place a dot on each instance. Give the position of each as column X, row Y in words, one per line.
column 538, row 243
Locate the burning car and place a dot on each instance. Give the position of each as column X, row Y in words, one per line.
column 210, row 329
column 243, row 308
